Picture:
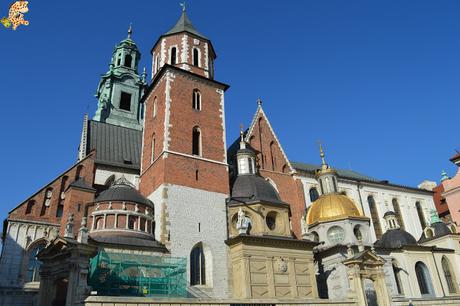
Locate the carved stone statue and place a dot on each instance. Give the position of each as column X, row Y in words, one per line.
column 69, row 227
column 303, row 226
column 243, row 223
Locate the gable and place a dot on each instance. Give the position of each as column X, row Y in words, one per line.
column 262, row 137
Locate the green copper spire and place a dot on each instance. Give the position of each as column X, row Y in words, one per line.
column 121, row 88
column 444, row 176
column 434, row 217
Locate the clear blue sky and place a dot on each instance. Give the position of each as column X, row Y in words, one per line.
column 377, row 81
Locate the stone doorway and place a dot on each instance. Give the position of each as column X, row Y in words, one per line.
column 370, row 293
column 61, row 292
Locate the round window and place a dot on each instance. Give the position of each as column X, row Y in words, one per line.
column 336, row 234
column 270, row 219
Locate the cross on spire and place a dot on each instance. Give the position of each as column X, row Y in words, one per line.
column 130, row 30
column 182, row 4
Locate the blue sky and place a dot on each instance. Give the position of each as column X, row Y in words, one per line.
column 376, row 81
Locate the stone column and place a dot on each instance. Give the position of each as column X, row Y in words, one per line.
column 383, row 296
column 247, row 290
column 270, row 276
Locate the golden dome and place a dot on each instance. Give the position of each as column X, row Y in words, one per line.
column 331, row 207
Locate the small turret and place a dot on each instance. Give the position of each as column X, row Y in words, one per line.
column 121, row 88
column 326, row 176
column 245, row 158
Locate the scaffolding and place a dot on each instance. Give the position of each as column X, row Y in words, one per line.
column 120, row 274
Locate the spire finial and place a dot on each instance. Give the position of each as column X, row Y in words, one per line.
column 259, row 102
column 321, row 153
column 130, row 30
column 242, row 142
column 241, row 131
column 182, row 4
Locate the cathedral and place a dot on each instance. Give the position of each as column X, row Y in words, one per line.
column 159, row 210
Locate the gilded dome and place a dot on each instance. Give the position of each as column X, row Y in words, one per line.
column 331, row 207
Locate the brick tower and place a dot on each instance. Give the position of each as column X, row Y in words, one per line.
column 184, row 164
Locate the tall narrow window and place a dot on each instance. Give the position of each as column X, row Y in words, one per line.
column 397, row 273
column 313, row 194
column 196, row 139
column 423, row 278
column 449, row 275
column 79, row 173
column 197, row 266
column 196, row 57
column 374, row 216
column 272, row 154
column 420, row 214
column 33, row 265
column 128, row 60
column 154, row 110
column 46, row 201
column 196, row 99
column 125, row 101
column 153, row 150
column 398, row 213
column 30, row 207
column 173, row 55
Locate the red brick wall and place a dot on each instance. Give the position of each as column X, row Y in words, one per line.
column 19, row 213
column 290, row 189
column 439, row 201
column 176, row 169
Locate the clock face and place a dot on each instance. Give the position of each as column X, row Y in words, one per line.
column 336, row 234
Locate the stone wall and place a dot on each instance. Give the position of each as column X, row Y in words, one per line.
column 123, row 301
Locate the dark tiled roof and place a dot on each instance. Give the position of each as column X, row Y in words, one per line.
column 131, row 240
column 123, row 192
column 254, row 188
column 184, row 25
column 115, row 145
column 440, row 229
column 80, row 183
column 395, row 239
column 342, row 173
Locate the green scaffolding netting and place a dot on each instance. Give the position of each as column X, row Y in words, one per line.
column 123, row 274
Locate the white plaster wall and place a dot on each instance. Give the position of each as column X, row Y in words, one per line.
column 187, row 208
column 103, row 172
column 20, row 235
column 383, row 196
column 407, row 261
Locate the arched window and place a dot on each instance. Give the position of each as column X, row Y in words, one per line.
column 33, row 265
column 132, row 223
column 99, row 223
column 128, row 60
column 449, row 275
column 46, row 202
column 173, row 55
column 423, row 278
column 374, row 216
column 154, row 110
column 285, row 169
column 397, row 211
column 397, row 273
column 196, row 100
column 421, row 217
column 272, row 154
column 196, row 141
column 153, row 150
column 30, row 207
column 196, row 57
column 197, row 266
column 80, row 172
column 314, row 195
